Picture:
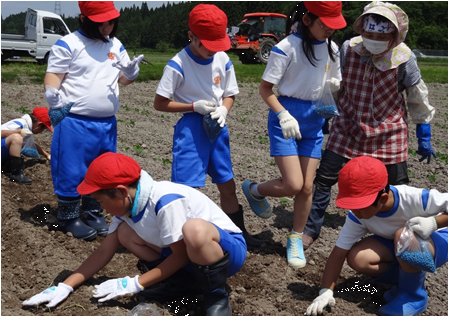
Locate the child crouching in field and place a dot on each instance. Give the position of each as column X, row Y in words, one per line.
column 384, row 210
column 155, row 220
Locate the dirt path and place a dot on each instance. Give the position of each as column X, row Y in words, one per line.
column 34, row 257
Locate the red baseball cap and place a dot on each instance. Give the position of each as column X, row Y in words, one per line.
column 108, row 171
column 209, row 23
column 99, row 11
column 41, row 114
column 360, row 181
column 329, row 13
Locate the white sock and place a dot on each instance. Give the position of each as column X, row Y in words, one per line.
column 254, row 191
column 297, row 233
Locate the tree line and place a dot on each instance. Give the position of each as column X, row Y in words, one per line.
column 166, row 26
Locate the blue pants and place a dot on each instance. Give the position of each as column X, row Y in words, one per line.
column 77, row 141
column 327, row 176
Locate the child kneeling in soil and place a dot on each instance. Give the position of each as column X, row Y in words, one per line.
column 154, row 220
column 17, row 138
column 384, row 210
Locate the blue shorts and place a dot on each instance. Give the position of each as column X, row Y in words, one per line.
column 310, row 125
column 194, row 156
column 234, row 243
column 5, row 151
column 77, row 141
column 439, row 240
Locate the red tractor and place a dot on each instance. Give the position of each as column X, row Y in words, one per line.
column 256, row 36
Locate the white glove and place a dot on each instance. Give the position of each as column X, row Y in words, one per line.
column 423, row 226
column 117, row 287
column 325, row 298
column 334, row 84
column 53, row 97
column 130, row 70
column 54, row 295
column 204, row 106
column 25, row 133
column 220, row 114
column 289, row 125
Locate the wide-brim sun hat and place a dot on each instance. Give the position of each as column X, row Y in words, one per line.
column 99, row 11
column 209, row 23
column 329, row 13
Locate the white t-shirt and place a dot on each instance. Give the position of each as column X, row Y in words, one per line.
column 169, row 206
column 289, row 67
column 188, row 78
column 25, row 123
column 409, row 202
column 90, row 81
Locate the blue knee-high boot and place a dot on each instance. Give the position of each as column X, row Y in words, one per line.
column 411, row 298
column 92, row 215
column 390, row 276
column 69, row 220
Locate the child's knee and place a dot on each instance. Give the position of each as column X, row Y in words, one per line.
column 194, row 231
column 124, row 233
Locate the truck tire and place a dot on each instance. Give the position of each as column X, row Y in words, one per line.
column 266, row 45
column 43, row 61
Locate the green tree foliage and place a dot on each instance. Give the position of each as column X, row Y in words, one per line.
column 141, row 27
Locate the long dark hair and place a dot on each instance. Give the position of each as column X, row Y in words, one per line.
column 296, row 15
column 91, row 29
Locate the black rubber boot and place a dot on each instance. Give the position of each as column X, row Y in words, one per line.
column 180, row 284
column 17, row 172
column 237, row 219
column 69, row 220
column 212, row 279
column 92, row 215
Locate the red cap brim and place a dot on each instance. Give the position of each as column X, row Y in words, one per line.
column 334, row 23
column 355, row 202
column 86, row 189
column 220, row 45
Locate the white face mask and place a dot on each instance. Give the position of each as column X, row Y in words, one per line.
column 375, row 47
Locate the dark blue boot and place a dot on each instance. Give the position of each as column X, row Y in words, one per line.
column 212, row 279
column 69, row 220
column 411, row 298
column 390, row 276
column 92, row 215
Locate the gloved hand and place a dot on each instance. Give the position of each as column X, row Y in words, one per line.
column 56, row 115
column 423, row 133
column 220, row 115
column 53, row 97
column 334, row 84
column 117, row 287
column 289, row 125
column 131, row 69
column 325, row 298
column 204, row 106
column 424, row 226
column 54, row 295
column 25, row 133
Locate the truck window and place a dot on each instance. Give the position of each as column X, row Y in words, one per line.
column 49, row 25
column 54, row 26
column 32, row 20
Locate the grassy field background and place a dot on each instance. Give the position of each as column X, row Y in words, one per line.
column 433, row 70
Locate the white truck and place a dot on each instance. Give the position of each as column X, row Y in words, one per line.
column 42, row 30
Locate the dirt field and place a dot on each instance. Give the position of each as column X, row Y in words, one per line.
column 34, row 256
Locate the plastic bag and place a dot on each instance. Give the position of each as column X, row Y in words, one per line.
column 325, row 106
column 145, row 309
column 212, row 127
column 29, row 148
column 414, row 250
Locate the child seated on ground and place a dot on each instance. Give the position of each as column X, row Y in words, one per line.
column 17, row 138
column 384, row 210
column 156, row 220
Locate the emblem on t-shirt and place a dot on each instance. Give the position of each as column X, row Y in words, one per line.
column 217, row 80
column 111, row 56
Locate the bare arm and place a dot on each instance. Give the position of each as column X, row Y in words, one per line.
column 41, row 151
column 164, row 104
column 267, row 94
column 125, row 81
column 441, row 220
column 228, row 102
column 168, row 267
column 96, row 261
column 7, row 133
column 333, row 267
column 53, row 80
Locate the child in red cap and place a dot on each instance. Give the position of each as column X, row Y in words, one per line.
column 382, row 211
column 156, row 220
column 300, row 65
column 82, row 89
column 202, row 81
column 17, row 137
